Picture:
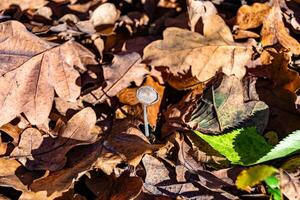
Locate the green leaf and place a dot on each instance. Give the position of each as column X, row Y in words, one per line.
column 288, row 145
column 272, row 182
column 242, row 146
column 246, row 147
column 273, row 185
column 253, row 176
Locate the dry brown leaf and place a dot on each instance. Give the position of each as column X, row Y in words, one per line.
column 252, row 16
column 290, row 184
column 128, row 96
column 204, row 19
column 181, row 50
column 54, row 184
column 36, row 151
column 24, row 4
column 125, row 143
column 12, row 130
column 274, row 31
column 125, row 68
column 31, row 69
column 160, row 181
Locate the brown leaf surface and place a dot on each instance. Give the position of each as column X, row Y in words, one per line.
column 274, row 31
column 24, row 4
column 213, row 25
column 181, row 50
column 252, row 16
column 37, row 151
column 125, row 143
column 31, row 69
column 125, row 68
column 290, row 184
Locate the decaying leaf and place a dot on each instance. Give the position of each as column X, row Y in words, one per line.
column 45, row 152
column 252, row 16
column 254, row 175
column 274, row 31
column 224, row 106
column 181, row 50
column 31, row 69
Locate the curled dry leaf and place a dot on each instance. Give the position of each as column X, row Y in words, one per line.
column 125, row 143
column 213, row 25
column 181, row 50
column 45, row 152
column 252, row 16
column 31, row 69
column 274, row 31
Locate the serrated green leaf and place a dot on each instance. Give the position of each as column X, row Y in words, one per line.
column 288, row 145
column 246, row 147
column 253, row 176
column 242, row 146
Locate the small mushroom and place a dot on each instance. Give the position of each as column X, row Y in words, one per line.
column 146, row 95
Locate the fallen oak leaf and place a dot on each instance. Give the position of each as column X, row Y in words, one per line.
column 181, row 50
column 45, row 152
column 31, row 69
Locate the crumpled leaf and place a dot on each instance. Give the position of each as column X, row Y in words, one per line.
column 36, row 151
column 181, row 50
column 125, row 144
column 253, row 16
column 213, row 25
column 246, row 147
column 253, row 176
column 125, row 68
column 31, row 69
column 274, row 31
column 225, row 107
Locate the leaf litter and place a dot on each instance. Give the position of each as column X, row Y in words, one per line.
column 227, row 76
